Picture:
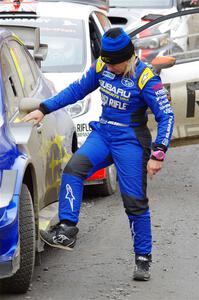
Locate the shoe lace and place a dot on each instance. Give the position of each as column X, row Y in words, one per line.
column 55, row 227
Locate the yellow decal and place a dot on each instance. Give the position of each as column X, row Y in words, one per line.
column 57, row 155
column 17, row 38
column 44, row 224
column 144, row 77
column 17, row 120
column 17, row 67
column 99, row 65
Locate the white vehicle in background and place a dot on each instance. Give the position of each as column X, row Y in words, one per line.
column 182, row 79
column 131, row 14
column 73, row 31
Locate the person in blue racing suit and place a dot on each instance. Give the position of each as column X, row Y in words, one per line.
column 128, row 88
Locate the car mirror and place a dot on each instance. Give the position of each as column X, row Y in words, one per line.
column 162, row 62
column 27, row 105
column 40, row 54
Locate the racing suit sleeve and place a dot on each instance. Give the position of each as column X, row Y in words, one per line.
column 156, row 99
column 74, row 92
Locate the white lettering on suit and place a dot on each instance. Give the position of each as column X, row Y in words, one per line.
column 113, row 89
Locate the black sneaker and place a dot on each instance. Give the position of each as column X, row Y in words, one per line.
column 60, row 236
column 142, row 267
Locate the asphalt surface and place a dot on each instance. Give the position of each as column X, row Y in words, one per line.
column 101, row 265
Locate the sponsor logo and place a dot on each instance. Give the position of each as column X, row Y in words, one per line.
column 108, row 74
column 144, row 78
column 146, row 75
column 106, row 59
column 113, row 89
column 69, row 195
column 83, row 127
column 99, row 65
column 127, row 82
column 60, row 239
column 113, row 103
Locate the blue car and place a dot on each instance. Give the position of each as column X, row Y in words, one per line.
column 31, row 157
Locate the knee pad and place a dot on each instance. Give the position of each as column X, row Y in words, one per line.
column 135, row 206
column 79, row 165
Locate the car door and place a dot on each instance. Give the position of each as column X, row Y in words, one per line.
column 175, row 35
column 42, row 147
column 17, row 85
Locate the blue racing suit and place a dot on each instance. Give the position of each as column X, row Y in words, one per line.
column 120, row 137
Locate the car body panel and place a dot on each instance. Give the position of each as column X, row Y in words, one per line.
column 36, row 158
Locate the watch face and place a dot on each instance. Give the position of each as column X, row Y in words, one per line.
column 160, row 155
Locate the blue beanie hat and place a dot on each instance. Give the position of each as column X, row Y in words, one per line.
column 116, row 46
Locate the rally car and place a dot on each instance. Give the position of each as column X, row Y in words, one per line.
column 72, row 30
column 182, row 78
column 31, row 157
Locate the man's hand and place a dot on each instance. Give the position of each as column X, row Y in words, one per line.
column 153, row 167
column 35, row 115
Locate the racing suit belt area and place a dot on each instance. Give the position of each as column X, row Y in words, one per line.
column 102, row 121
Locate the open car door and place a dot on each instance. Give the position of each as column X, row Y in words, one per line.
column 171, row 45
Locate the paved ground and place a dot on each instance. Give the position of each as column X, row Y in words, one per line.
column 101, row 265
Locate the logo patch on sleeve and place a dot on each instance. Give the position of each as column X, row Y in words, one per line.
column 99, row 65
column 144, row 77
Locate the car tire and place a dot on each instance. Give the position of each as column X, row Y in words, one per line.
column 110, row 183
column 20, row 281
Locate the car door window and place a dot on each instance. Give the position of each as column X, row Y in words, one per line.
column 23, row 67
column 103, row 20
column 13, row 91
column 95, row 37
column 98, row 24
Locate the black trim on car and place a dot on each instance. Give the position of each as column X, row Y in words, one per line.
column 164, row 18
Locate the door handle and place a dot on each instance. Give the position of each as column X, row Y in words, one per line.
column 39, row 127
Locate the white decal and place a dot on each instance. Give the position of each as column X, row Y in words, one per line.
column 145, row 76
column 114, row 89
column 60, row 239
column 69, row 195
column 108, row 74
column 127, row 82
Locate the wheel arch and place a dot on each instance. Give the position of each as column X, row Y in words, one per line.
column 27, row 176
column 29, row 179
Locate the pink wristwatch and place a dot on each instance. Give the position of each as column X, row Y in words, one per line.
column 158, row 155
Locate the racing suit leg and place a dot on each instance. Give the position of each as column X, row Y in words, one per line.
column 90, row 157
column 130, row 157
